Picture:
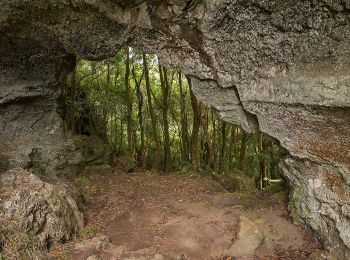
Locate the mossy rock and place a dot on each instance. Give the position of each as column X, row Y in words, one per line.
column 235, row 180
column 77, row 141
column 94, row 150
column 214, row 187
column 277, row 187
column 100, row 169
column 321, row 255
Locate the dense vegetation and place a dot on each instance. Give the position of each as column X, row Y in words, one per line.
column 148, row 113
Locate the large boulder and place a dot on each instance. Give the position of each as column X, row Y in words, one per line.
column 45, row 212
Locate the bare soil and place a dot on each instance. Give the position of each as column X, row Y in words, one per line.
column 145, row 215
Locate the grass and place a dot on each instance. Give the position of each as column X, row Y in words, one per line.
column 89, row 230
column 17, row 244
column 83, row 182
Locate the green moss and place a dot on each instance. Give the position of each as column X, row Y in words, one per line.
column 83, row 182
column 77, row 141
column 87, row 231
column 214, row 187
column 235, row 180
column 277, row 187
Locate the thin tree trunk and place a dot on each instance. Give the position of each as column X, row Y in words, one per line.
column 209, row 143
column 232, row 147
column 262, row 163
column 243, row 150
column 223, row 147
column 140, row 117
column 130, row 127
column 149, row 102
column 195, row 155
column 154, row 131
column 214, row 141
column 163, row 73
column 217, row 138
column 184, row 121
column 121, row 136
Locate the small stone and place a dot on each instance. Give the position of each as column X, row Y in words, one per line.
column 265, row 248
column 102, row 246
column 321, row 255
column 93, row 257
column 103, row 238
column 161, row 257
column 156, row 238
column 117, row 251
column 260, row 221
column 181, row 257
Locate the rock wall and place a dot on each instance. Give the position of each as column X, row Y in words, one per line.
column 278, row 66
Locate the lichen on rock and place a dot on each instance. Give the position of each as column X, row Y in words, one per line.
column 37, row 208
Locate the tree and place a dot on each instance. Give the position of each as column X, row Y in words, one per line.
column 232, row 146
column 165, row 86
column 196, row 108
column 243, row 150
column 262, row 162
column 209, row 141
column 141, row 154
column 150, row 114
column 223, row 147
column 184, row 121
column 130, row 126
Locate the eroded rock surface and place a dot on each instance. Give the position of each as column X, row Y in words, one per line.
column 37, row 208
column 284, row 66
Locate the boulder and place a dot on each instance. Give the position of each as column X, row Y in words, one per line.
column 46, row 212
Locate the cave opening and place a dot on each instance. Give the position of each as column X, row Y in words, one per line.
column 166, row 175
column 279, row 68
column 149, row 115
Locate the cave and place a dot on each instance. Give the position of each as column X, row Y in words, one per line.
column 279, row 67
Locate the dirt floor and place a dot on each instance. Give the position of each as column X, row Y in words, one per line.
column 145, row 215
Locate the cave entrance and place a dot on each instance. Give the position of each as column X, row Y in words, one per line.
column 149, row 115
column 165, row 175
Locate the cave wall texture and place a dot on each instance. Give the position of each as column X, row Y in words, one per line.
column 279, row 66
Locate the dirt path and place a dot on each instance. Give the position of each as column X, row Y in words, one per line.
column 149, row 216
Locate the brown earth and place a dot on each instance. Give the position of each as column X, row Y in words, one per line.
column 145, row 215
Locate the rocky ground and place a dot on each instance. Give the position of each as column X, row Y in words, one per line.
column 144, row 215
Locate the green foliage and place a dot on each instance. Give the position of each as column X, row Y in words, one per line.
column 96, row 94
column 82, row 182
column 235, row 180
column 90, row 230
